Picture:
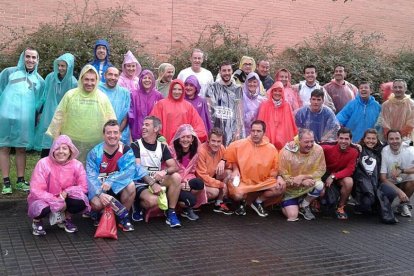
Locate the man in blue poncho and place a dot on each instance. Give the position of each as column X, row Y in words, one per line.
column 57, row 84
column 101, row 58
column 110, row 170
column 361, row 113
column 20, row 94
column 120, row 99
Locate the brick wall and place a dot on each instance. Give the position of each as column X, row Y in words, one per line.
column 165, row 24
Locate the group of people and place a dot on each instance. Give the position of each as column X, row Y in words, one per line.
column 123, row 138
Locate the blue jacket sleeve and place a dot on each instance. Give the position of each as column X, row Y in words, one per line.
column 92, row 173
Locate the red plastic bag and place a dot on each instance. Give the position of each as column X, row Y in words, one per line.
column 107, row 225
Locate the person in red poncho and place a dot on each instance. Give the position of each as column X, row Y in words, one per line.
column 174, row 111
column 277, row 115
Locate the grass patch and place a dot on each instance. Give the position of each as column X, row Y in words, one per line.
column 31, row 160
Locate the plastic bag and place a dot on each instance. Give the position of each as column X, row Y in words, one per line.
column 107, row 225
column 161, row 198
column 56, row 217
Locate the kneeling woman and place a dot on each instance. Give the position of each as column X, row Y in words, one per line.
column 184, row 149
column 58, row 184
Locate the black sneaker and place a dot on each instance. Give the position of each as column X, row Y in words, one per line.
column 258, row 208
column 189, row 213
column 241, row 211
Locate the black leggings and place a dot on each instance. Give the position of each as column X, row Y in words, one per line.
column 188, row 198
column 44, row 153
column 73, row 206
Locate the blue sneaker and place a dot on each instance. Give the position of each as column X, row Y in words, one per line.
column 125, row 225
column 137, row 215
column 172, row 220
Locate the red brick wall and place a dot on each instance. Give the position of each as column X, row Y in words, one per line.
column 162, row 25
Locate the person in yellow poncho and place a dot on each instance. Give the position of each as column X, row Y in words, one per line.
column 254, row 163
column 302, row 167
column 82, row 113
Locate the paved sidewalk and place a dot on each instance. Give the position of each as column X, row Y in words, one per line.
column 215, row 245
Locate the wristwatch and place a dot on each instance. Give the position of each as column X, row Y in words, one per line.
column 333, row 176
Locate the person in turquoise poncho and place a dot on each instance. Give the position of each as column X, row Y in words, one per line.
column 20, row 94
column 120, row 99
column 57, row 84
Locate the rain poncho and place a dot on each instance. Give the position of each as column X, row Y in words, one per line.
column 130, row 83
column 240, row 76
column 186, row 173
column 120, row 99
column 101, row 67
column 305, row 91
column 386, row 90
column 207, row 164
column 291, row 96
column 280, row 124
column 200, row 104
column 257, row 163
column 174, row 113
column 127, row 171
column 294, row 163
column 341, row 94
column 20, row 98
column 142, row 102
column 359, row 115
column 226, row 105
column 163, row 87
column 82, row 115
column 323, row 123
column 398, row 114
column 50, row 178
column 53, row 93
column 251, row 103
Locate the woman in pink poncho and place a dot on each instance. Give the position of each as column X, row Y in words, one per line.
column 130, row 72
column 174, row 111
column 184, row 150
column 291, row 96
column 58, row 184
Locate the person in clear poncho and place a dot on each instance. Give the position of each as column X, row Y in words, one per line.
column 175, row 111
column 58, row 184
column 398, row 111
column 131, row 69
column 143, row 100
column 251, row 100
column 20, row 95
column 184, row 149
column 82, row 113
column 277, row 114
column 302, row 166
column 120, row 99
column 225, row 100
column 57, row 83
column 192, row 90
column 318, row 118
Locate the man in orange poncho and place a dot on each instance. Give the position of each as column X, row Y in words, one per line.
column 174, row 111
column 398, row 111
column 277, row 115
column 254, row 162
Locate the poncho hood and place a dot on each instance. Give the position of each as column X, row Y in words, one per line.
column 173, row 83
column 102, row 42
column 246, row 87
column 63, row 139
column 277, row 76
column 194, row 82
column 277, row 84
column 85, row 69
column 130, row 58
column 141, row 88
column 70, row 62
column 21, row 65
column 247, row 58
column 184, row 129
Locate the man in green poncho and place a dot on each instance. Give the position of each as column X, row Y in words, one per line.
column 82, row 113
column 20, row 94
column 57, row 83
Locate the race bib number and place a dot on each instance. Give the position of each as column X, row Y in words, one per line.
column 223, row 112
column 152, row 171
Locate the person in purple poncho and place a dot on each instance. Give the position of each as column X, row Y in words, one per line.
column 143, row 100
column 251, row 100
column 192, row 89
